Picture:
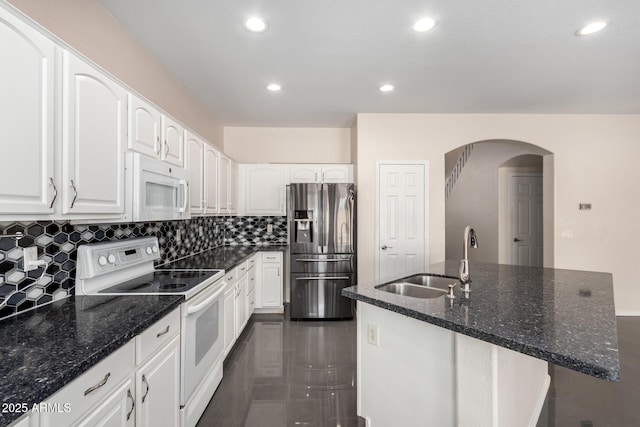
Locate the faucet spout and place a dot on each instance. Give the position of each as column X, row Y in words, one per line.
column 470, row 240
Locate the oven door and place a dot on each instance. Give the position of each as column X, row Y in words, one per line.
column 202, row 337
column 160, row 190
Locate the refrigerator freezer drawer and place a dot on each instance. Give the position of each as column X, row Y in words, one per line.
column 318, row 296
column 309, row 263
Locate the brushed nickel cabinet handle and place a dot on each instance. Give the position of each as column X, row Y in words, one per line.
column 161, row 333
column 75, row 196
column 166, row 148
column 97, row 386
column 133, row 404
column 159, row 145
column 55, row 192
column 146, row 392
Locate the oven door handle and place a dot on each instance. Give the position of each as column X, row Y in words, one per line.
column 185, row 188
column 198, row 307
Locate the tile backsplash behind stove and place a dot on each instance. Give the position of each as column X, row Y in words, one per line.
column 57, row 243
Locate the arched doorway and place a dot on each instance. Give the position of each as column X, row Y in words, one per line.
column 479, row 192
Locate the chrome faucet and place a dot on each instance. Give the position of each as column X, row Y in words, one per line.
column 470, row 240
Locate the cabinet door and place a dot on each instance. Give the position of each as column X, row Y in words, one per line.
column 305, row 173
column 173, row 149
column 93, row 136
column 223, row 184
column 271, row 284
column 337, row 173
column 211, row 159
column 265, row 190
column 229, row 319
column 241, row 305
column 116, row 410
column 26, row 108
column 144, row 127
column 158, row 388
column 233, row 187
column 194, row 163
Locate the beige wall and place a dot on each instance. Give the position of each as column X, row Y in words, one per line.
column 594, row 162
column 87, row 27
column 288, row 145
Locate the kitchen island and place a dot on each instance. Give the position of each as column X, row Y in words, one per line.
column 480, row 359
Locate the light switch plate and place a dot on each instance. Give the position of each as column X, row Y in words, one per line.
column 373, row 335
column 28, row 256
column 269, row 228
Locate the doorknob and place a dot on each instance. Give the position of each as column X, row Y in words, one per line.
column 515, row 239
column 385, row 247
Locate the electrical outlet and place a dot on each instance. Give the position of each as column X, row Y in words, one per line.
column 269, row 228
column 29, row 255
column 200, row 231
column 178, row 235
column 373, row 335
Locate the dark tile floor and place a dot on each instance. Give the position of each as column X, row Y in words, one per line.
column 284, row 373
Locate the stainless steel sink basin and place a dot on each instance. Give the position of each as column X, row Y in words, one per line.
column 420, row 286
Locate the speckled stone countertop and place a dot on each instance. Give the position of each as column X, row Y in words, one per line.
column 44, row 349
column 225, row 257
column 566, row 317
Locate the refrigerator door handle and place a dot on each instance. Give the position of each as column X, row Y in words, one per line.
column 323, row 278
column 322, row 260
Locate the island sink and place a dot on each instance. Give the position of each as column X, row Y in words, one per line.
column 420, row 286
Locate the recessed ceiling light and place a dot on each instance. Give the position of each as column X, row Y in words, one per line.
column 424, row 24
column 386, row 88
column 274, row 87
column 592, row 27
column 255, row 24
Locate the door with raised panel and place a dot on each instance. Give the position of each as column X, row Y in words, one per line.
column 271, row 284
column 305, row 173
column 194, row 163
column 211, row 165
column 93, row 136
column 525, row 206
column 26, row 108
column 144, row 127
column 265, row 189
column 158, row 388
column 232, row 191
column 116, row 410
column 241, row 304
column 223, row 183
column 401, row 220
column 337, row 173
column 229, row 319
column 172, row 138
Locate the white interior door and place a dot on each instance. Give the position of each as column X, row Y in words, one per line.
column 526, row 220
column 401, row 220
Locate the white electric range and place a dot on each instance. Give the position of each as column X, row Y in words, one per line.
column 126, row 267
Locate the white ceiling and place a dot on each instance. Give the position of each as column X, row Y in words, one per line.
column 330, row 56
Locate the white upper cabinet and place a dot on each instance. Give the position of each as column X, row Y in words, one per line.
column 329, row 173
column 263, row 188
column 144, row 127
column 172, row 149
column 93, row 134
column 27, row 111
column 223, row 184
column 194, row 163
column 211, row 165
column 232, row 197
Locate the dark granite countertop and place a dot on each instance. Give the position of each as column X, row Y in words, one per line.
column 224, row 257
column 44, row 349
column 566, row 317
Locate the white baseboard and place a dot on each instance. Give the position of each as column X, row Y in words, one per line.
column 624, row 313
column 540, row 403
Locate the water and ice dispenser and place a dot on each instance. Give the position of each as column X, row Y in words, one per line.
column 303, row 226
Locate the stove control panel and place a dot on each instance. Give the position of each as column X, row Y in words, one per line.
column 101, row 258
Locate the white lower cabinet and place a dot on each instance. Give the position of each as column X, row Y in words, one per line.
column 120, row 392
column 269, row 295
column 230, row 311
column 158, row 388
column 241, row 305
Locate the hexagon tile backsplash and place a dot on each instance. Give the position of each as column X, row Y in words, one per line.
column 57, row 243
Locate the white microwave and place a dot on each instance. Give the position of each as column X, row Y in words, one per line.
column 158, row 191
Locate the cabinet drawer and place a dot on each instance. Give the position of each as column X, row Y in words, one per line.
column 157, row 335
column 271, row 257
column 252, row 261
column 231, row 277
column 242, row 268
column 90, row 388
column 251, row 275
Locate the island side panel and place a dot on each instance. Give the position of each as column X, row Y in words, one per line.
column 408, row 378
column 497, row 386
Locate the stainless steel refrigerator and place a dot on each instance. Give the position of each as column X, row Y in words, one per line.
column 322, row 244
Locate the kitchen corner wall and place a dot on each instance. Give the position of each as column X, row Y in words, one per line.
column 57, row 244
